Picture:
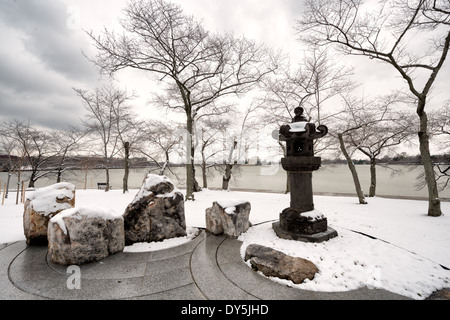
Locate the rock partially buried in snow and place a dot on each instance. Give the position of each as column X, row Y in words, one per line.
column 228, row 217
column 156, row 213
column 273, row 263
column 43, row 204
column 82, row 235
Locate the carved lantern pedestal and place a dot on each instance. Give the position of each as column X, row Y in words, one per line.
column 301, row 221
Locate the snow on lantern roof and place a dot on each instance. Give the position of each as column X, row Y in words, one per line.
column 301, row 128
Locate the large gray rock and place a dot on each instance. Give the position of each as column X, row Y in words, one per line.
column 273, row 263
column 230, row 218
column 156, row 213
column 43, row 204
column 82, row 235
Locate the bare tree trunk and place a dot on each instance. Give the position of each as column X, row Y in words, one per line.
column 166, row 163
column 227, row 176
column 32, row 179
column 229, row 166
column 18, row 184
column 107, row 178
column 126, row 146
column 352, row 168
column 205, row 180
column 434, row 203
column 189, row 160
column 373, row 177
column 60, row 169
column 7, row 182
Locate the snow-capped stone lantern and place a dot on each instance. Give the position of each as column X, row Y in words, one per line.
column 301, row 221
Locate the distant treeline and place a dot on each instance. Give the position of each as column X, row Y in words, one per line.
column 92, row 162
column 397, row 159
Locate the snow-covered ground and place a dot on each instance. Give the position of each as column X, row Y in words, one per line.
column 409, row 255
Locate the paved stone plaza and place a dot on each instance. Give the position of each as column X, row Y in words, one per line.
column 206, row 268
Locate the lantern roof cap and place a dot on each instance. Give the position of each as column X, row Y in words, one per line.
column 301, row 128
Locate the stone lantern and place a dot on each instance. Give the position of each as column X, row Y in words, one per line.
column 301, row 221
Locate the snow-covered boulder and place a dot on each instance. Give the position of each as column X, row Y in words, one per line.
column 228, row 217
column 82, row 235
column 156, row 213
column 41, row 205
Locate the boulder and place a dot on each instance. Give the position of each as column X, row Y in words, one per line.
column 230, row 218
column 442, row 294
column 43, row 204
column 273, row 263
column 156, row 213
column 82, row 235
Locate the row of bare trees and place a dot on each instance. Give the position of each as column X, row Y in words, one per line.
column 195, row 67
column 387, row 32
column 204, row 76
column 43, row 152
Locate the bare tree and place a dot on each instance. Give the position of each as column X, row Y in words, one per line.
column 386, row 35
column 355, row 122
column 316, row 80
column 238, row 139
column 67, row 141
column 378, row 137
column 10, row 147
column 127, row 129
column 36, row 146
column 157, row 141
column 197, row 67
column 210, row 132
column 101, row 120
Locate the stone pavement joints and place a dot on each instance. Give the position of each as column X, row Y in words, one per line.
column 206, row 268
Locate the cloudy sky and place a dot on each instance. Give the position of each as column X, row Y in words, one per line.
column 42, row 42
column 41, row 57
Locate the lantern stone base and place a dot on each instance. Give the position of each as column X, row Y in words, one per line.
column 316, row 237
column 309, row 222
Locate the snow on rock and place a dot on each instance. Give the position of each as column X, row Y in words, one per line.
column 41, row 205
column 228, row 217
column 148, row 187
column 230, row 205
column 51, row 199
column 88, row 212
column 156, row 213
